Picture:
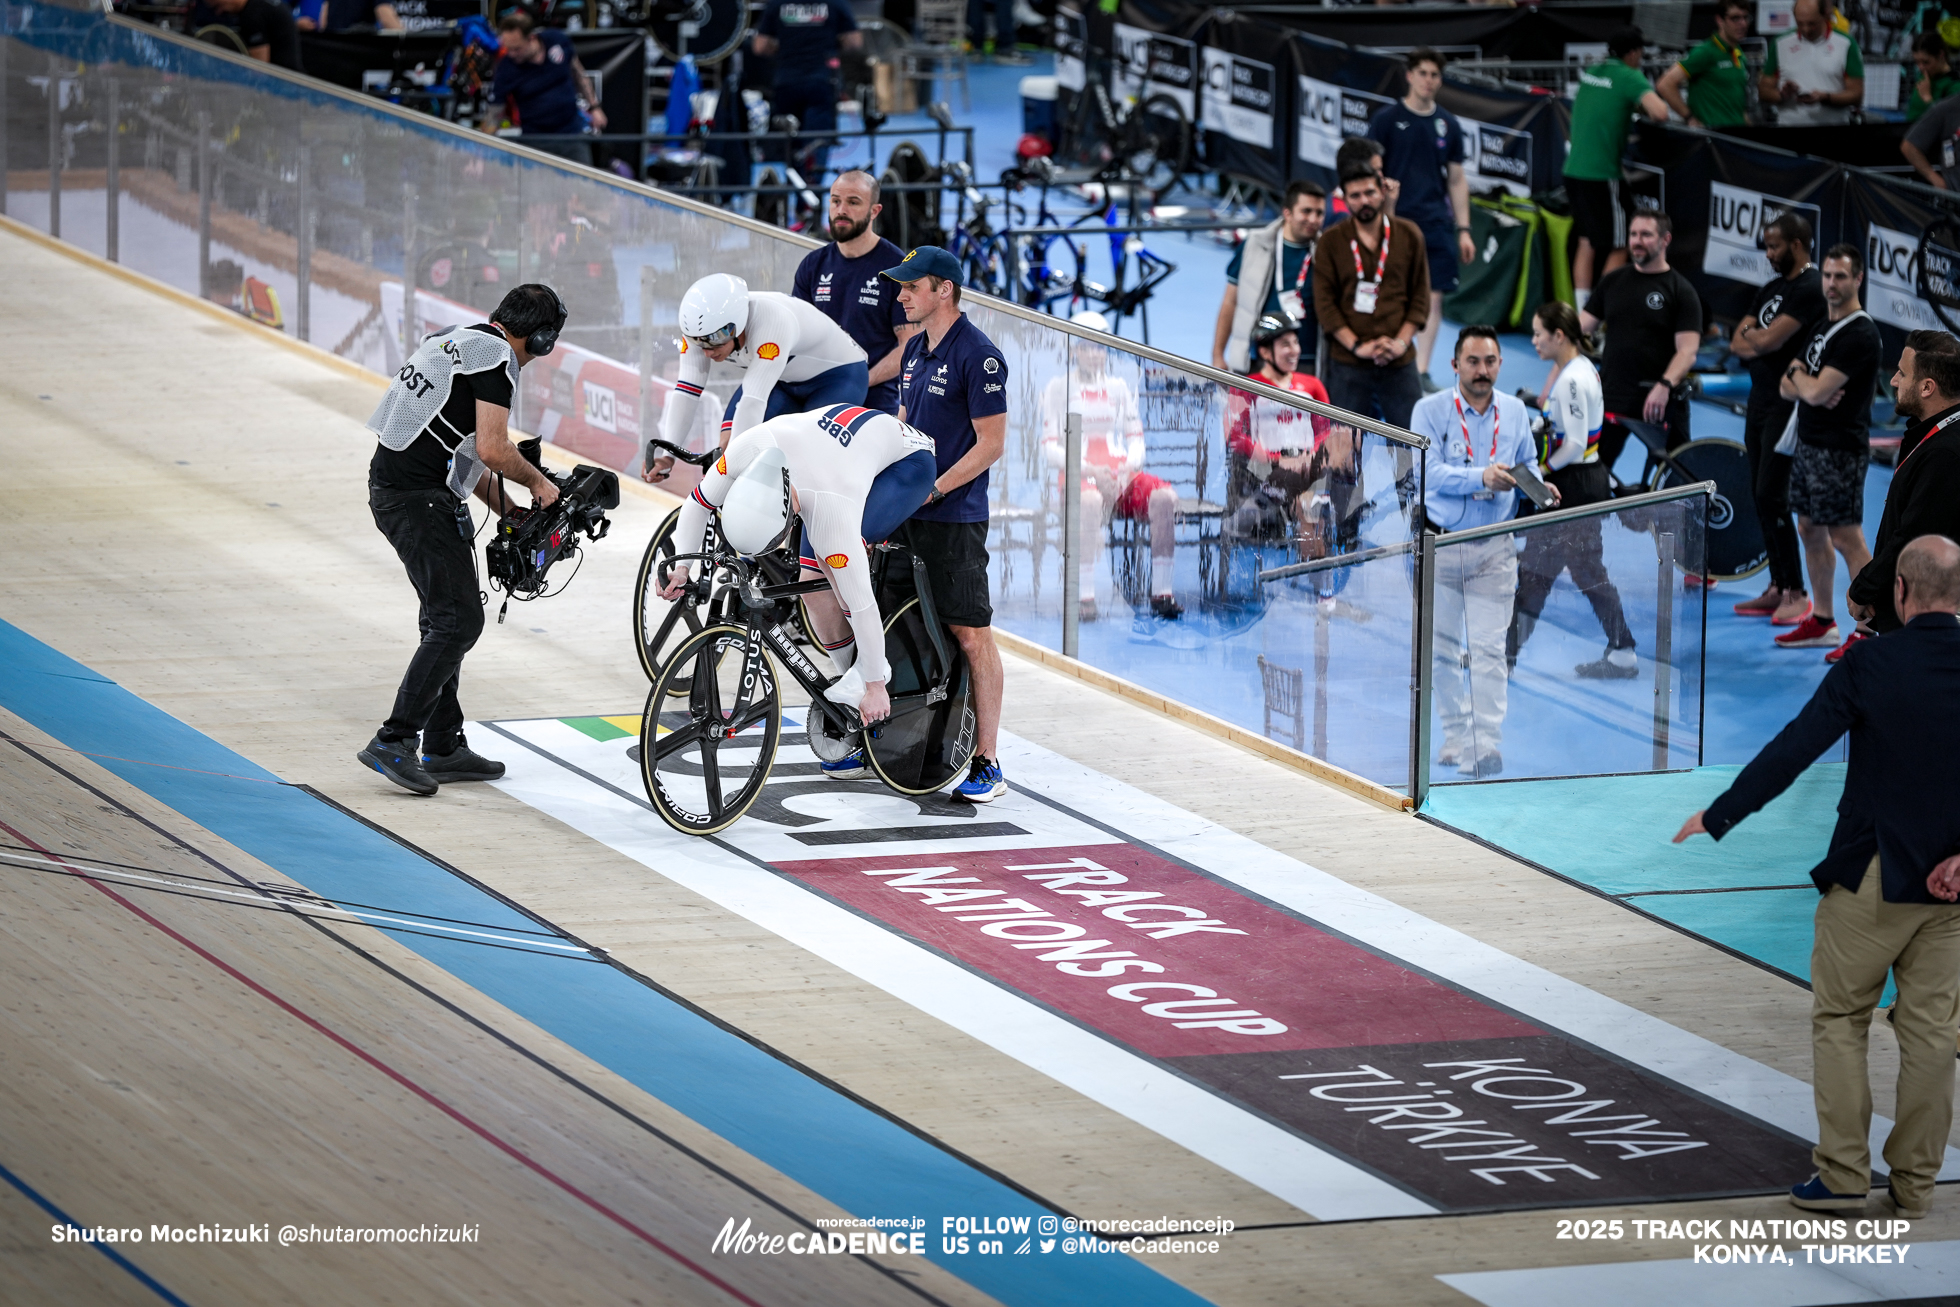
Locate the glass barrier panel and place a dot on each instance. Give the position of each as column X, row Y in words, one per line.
column 1570, row 648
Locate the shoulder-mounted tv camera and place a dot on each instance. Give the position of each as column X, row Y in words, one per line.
column 530, row 540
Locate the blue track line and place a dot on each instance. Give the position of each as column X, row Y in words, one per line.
column 843, row 1149
column 142, row 1276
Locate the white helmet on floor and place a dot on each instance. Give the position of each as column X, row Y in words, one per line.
column 1091, row 319
column 758, row 504
column 715, row 309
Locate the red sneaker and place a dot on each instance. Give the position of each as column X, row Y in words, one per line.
column 1839, row 652
column 1794, row 608
column 1812, row 632
column 1693, row 580
column 1763, row 605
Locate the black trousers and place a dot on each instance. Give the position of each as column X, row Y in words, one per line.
column 425, row 528
column 1769, row 473
column 1574, row 547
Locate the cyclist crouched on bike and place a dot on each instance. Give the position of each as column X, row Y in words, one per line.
column 796, row 359
column 854, row 475
column 1114, row 483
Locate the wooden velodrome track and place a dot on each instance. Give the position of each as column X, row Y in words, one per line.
column 186, row 1038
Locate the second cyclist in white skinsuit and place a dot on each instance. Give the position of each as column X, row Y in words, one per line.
column 856, row 474
column 797, row 359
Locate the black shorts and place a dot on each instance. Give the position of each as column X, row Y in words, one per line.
column 1598, row 215
column 955, row 555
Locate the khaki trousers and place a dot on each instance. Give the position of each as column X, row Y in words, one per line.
column 1859, row 938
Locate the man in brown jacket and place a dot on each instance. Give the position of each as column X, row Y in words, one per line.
column 1371, row 294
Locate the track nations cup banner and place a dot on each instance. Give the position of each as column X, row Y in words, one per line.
column 1338, row 1051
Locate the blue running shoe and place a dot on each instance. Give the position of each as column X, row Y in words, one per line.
column 847, row 768
column 1813, row 1196
column 983, row 783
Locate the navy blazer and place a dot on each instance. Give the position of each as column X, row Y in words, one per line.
column 1899, row 697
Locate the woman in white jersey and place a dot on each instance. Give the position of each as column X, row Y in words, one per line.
column 1570, row 462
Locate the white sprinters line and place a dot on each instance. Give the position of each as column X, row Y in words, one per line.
column 1262, row 1154
column 301, row 899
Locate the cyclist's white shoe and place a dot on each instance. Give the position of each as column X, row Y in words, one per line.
column 983, row 783
column 847, row 768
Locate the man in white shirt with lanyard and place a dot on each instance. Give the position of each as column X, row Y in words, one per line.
column 1475, row 436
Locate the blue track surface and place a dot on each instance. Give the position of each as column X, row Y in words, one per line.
column 858, row 1159
column 1751, row 893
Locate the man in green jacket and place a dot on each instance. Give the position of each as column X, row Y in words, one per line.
column 1609, row 93
column 1714, row 73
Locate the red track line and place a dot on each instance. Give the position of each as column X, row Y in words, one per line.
column 393, row 1074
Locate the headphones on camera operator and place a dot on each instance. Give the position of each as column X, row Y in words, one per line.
column 543, row 339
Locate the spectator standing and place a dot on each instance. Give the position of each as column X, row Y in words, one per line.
column 1475, row 436
column 1603, row 109
column 1932, row 145
column 952, row 385
column 1814, row 74
column 1936, row 80
column 1577, row 410
column 1422, row 148
column 1924, row 497
column 1371, row 294
column 1114, row 484
column 1714, row 74
column 805, row 38
column 541, row 80
column 1279, row 258
column 1831, row 381
column 1892, row 867
column 1367, row 151
column 1652, row 318
column 1768, row 337
column 267, row 27
column 1001, row 45
column 842, row 279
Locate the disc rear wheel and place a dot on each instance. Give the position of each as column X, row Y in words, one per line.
column 927, row 742
column 706, row 751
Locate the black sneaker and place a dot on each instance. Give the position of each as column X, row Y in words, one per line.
column 1166, row 607
column 461, row 764
column 1605, row 669
column 396, row 760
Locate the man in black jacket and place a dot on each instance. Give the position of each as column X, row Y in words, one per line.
column 1924, row 498
column 1893, row 865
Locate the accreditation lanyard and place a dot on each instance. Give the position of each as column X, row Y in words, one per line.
column 1469, row 455
column 1291, row 299
column 1365, row 291
column 1942, row 425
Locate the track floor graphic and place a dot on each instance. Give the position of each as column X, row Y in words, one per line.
column 1340, row 1052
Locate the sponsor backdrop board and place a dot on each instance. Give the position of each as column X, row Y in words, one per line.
column 1348, row 1056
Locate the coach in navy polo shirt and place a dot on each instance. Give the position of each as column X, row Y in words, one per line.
column 842, row 279
column 952, row 385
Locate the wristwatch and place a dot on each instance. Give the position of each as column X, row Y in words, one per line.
column 936, row 495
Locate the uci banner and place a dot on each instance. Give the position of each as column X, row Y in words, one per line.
column 1242, row 109
column 1892, row 219
column 1152, row 53
column 1335, row 92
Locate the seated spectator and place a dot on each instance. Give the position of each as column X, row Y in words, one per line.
column 1114, row 483
column 267, row 28
column 542, row 83
column 1936, row 80
column 359, row 16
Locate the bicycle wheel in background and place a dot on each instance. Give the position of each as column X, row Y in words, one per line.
column 1154, row 144
column 659, row 626
column 925, row 745
column 1733, row 545
column 705, row 758
column 1936, row 270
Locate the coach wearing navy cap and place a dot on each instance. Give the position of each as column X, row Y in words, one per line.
column 952, row 385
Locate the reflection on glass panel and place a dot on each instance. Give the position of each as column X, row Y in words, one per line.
column 1570, row 648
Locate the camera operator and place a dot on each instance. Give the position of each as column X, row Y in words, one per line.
column 444, row 420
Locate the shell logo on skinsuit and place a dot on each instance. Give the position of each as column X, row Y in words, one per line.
column 683, row 344
column 837, row 561
column 768, row 352
column 721, row 465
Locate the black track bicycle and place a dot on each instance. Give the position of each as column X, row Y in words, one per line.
column 713, row 718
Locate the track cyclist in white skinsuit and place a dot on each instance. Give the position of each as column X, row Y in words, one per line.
column 855, row 475
column 797, row 359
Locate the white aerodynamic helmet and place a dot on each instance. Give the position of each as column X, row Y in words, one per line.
column 715, row 309
column 758, row 504
column 1091, row 319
